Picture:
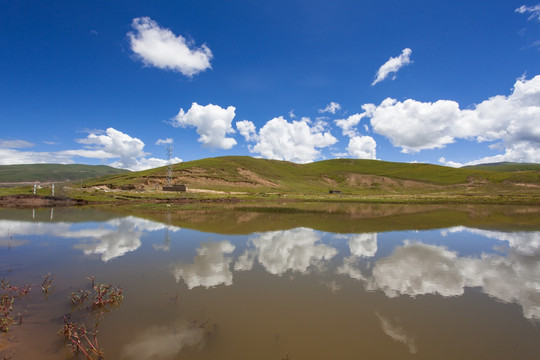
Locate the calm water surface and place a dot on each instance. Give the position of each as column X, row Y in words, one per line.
column 296, row 293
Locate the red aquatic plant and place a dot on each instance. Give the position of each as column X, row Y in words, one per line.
column 81, row 340
column 76, row 333
column 9, row 294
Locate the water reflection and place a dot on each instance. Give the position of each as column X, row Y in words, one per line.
column 419, row 263
column 294, row 250
column 211, row 266
column 397, row 333
column 165, row 342
column 418, row 269
column 109, row 239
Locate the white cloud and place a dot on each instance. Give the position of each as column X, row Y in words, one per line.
column 533, row 10
column 393, row 65
column 331, row 108
column 442, row 160
column 362, row 147
column 161, row 48
column 213, row 123
column 413, row 125
column 164, row 141
column 14, row 157
column 247, row 129
column 348, row 125
column 512, row 120
column 290, row 250
column 112, row 144
column 296, row 141
column 15, row 144
column 210, row 267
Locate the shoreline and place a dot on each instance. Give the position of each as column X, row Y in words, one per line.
column 38, row 200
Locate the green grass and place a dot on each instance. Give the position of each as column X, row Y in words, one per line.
column 53, row 172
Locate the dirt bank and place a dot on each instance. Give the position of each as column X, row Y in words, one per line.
column 30, row 200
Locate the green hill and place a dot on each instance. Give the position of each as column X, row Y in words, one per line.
column 247, row 174
column 53, row 172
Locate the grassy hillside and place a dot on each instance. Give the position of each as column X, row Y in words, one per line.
column 247, row 174
column 53, row 172
column 505, row 166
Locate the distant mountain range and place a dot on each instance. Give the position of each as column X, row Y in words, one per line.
column 54, row 172
column 505, row 166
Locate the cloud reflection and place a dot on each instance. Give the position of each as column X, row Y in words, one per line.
column 293, row 250
column 163, row 343
column 109, row 239
column 210, row 267
column 396, row 332
column 417, row 269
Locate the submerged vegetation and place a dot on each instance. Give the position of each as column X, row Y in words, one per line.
column 82, row 335
column 10, row 293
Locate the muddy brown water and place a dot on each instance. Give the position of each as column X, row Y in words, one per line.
column 299, row 292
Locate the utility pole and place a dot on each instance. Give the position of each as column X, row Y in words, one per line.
column 169, row 164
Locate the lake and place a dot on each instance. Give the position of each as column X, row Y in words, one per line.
column 295, row 281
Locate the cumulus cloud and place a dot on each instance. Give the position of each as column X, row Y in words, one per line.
column 534, row 11
column 362, row 147
column 161, row 48
column 511, row 120
column 413, row 125
column 109, row 145
column 247, row 129
column 213, row 123
column 211, row 266
column 115, row 144
column 331, row 108
column 290, row 250
column 393, row 65
column 349, row 124
column 295, row 141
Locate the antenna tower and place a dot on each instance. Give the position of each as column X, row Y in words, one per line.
column 169, row 164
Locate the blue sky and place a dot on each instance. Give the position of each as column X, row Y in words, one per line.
column 115, row 82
